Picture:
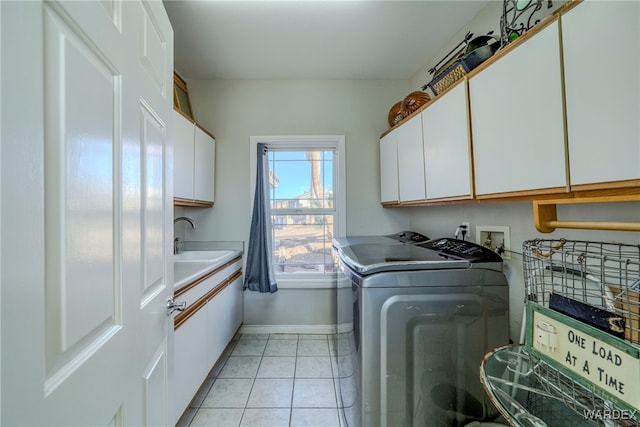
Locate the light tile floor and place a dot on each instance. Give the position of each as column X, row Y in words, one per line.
column 269, row 380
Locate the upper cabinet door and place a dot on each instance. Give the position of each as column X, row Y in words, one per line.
column 389, row 168
column 182, row 156
column 204, row 166
column 517, row 119
column 410, row 160
column 602, row 80
column 193, row 165
column 447, row 158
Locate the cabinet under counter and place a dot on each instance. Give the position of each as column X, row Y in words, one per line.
column 213, row 314
column 201, row 302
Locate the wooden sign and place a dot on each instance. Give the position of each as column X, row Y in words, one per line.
column 607, row 365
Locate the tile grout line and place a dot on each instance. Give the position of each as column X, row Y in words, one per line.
column 229, row 353
column 244, row 410
column 293, row 385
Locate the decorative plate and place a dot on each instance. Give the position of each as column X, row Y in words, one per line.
column 395, row 114
column 413, row 101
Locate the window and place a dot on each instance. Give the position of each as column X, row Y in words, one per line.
column 306, row 176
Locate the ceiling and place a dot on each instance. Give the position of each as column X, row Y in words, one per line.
column 312, row 39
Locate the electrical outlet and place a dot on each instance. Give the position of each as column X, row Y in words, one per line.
column 494, row 237
column 458, row 233
column 467, row 227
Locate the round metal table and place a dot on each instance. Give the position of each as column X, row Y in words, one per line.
column 528, row 395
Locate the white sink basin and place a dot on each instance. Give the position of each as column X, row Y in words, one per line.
column 201, row 256
column 184, row 272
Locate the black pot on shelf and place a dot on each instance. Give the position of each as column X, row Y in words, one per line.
column 479, row 50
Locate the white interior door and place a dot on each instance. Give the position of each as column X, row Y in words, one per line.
column 86, row 226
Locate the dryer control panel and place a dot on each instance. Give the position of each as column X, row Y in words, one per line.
column 461, row 249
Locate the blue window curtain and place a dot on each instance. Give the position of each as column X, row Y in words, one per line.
column 259, row 275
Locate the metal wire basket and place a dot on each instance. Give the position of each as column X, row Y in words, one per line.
column 602, row 275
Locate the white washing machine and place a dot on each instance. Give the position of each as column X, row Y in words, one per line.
column 414, row 321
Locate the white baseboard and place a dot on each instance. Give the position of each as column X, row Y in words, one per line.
column 287, row 329
column 345, row 327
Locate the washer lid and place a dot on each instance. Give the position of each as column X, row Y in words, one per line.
column 340, row 242
column 368, row 258
column 406, row 237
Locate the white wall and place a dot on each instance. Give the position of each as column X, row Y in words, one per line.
column 438, row 221
column 235, row 110
column 488, row 19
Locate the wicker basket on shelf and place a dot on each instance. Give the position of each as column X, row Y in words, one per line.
column 448, row 77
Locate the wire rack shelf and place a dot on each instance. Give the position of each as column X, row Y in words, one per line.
column 599, row 274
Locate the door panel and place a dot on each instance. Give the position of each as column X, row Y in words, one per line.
column 204, row 166
column 86, row 184
column 447, row 151
column 411, row 183
column 512, row 148
column 153, row 137
column 389, row 167
column 604, row 135
column 154, row 52
column 154, row 391
column 81, row 117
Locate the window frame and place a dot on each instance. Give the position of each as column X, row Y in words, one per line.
column 301, row 143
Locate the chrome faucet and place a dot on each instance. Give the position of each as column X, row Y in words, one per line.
column 177, row 239
column 187, row 219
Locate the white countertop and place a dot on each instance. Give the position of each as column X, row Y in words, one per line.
column 190, row 267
